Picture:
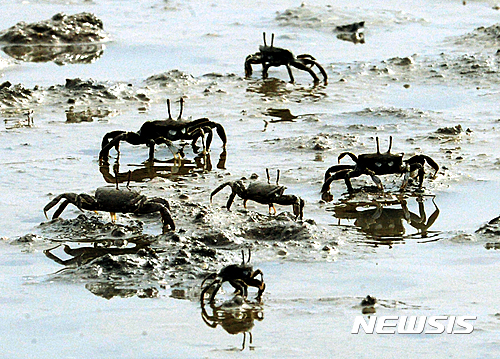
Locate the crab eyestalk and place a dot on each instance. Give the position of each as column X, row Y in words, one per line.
column 168, row 109
column 181, row 108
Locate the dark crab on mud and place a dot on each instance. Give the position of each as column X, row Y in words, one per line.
column 115, row 200
column 275, row 56
column 374, row 164
column 240, row 276
column 159, row 132
column 264, row 193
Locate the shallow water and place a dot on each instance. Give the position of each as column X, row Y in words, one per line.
column 311, row 299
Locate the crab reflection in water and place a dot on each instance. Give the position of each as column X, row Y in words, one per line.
column 386, row 224
column 169, row 168
column 82, row 255
column 235, row 316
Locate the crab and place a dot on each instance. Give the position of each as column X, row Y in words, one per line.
column 113, row 200
column 374, row 164
column 240, row 276
column 275, row 56
column 264, row 193
column 159, row 132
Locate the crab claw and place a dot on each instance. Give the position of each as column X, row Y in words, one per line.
column 378, row 182
column 175, row 151
column 406, row 178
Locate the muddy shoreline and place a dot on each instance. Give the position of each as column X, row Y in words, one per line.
column 77, row 283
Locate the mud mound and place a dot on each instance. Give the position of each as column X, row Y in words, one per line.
column 14, row 95
column 484, row 36
column 470, row 69
column 96, row 251
column 170, row 78
column 88, row 92
column 329, row 17
column 492, row 228
column 60, row 29
column 491, row 231
column 90, row 229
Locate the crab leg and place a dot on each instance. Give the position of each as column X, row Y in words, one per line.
column 217, row 283
column 210, row 135
column 309, row 60
column 222, row 135
column 217, row 287
column 252, row 282
column 265, row 69
column 166, row 219
column 337, row 168
column 256, row 273
column 59, row 210
column 231, row 196
column 342, row 174
column 210, row 276
column 289, row 69
column 110, row 140
column 240, row 287
column 350, row 154
column 68, row 198
column 303, row 67
column 249, row 61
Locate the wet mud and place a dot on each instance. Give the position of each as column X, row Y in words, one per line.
column 93, row 249
column 299, row 128
column 60, row 29
column 209, row 237
column 63, row 39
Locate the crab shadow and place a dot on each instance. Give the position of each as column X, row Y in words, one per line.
column 202, row 162
column 384, row 219
column 235, row 316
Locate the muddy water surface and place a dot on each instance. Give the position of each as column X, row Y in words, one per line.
column 427, row 75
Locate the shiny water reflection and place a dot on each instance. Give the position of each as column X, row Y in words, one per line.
column 235, row 316
column 384, row 221
column 84, row 254
column 108, row 290
column 61, row 54
column 273, row 87
column 117, row 260
column 168, row 169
